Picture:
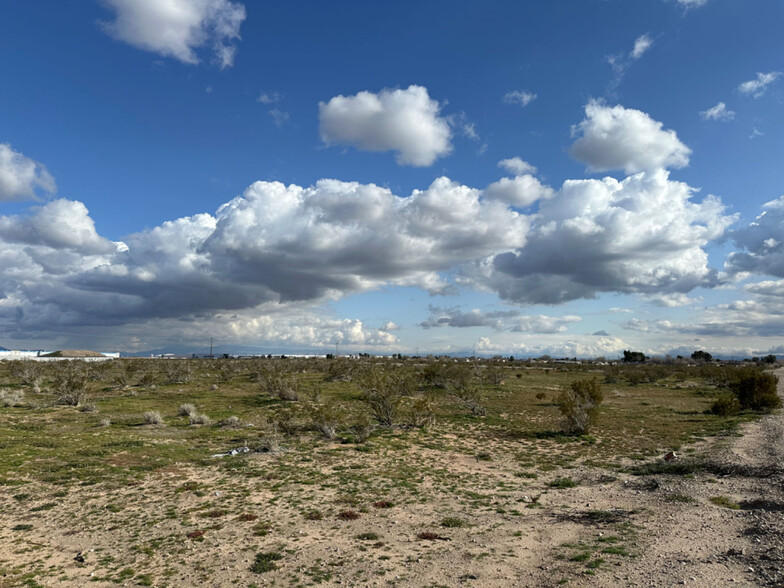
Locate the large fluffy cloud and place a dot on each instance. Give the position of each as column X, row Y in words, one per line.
column 406, row 121
column 60, row 224
column 21, row 177
column 761, row 243
column 264, row 264
column 177, row 28
column 614, row 137
column 275, row 247
column 643, row 234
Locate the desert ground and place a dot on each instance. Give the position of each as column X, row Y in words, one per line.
column 472, row 484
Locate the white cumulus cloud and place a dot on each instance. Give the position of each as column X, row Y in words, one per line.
column 614, row 137
column 517, row 166
column 643, row 234
column 406, row 121
column 177, row 28
column 520, row 191
column 21, row 177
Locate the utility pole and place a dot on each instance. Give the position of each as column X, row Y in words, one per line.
column 337, row 353
column 210, row 347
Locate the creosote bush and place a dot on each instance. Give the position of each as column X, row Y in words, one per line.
column 726, row 405
column 70, row 382
column 326, row 419
column 756, row 390
column 579, row 405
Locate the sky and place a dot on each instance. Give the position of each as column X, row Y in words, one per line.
column 570, row 178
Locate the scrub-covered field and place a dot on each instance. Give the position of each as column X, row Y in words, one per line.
column 365, row 472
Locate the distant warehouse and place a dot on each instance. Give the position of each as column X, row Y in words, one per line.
column 61, row 355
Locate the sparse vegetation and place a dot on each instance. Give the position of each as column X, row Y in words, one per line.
column 394, row 429
column 152, row 417
column 579, row 406
column 265, row 562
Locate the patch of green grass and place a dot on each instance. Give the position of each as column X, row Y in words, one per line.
column 453, row 523
column 724, row 502
column 265, row 562
column 22, row 527
column 562, row 483
column 675, row 497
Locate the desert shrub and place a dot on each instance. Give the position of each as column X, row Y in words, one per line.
column 70, row 382
column 382, row 396
column 326, row 419
column 269, row 442
column 120, row 378
column 348, row 515
column 285, row 420
column 178, row 371
column 635, row 376
column 276, row 382
column 231, row 422
column 362, row 429
column 470, row 397
column 152, row 417
column 187, row 409
column 419, row 412
column 561, row 483
column 493, row 376
column 199, row 419
column 579, row 405
column 340, row 369
column 149, row 377
column 435, row 374
column 30, row 372
column 725, row 405
column 88, row 408
column 228, row 370
column 541, row 395
column 756, row 390
column 11, row 398
column 612, row 374
column 448, row 375
column 105, row 422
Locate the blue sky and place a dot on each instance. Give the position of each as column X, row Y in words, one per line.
column 568, row 177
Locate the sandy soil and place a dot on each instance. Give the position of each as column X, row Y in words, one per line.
column 610, row 530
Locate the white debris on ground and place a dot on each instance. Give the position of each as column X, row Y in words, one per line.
column 232, row 452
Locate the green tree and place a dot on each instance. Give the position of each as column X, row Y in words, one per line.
column 700, row 355
column 633, row 356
